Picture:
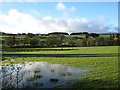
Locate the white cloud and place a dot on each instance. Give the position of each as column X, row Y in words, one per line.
column 61, row 6
column 17, row 22
column 36, row 13
column 73, row 8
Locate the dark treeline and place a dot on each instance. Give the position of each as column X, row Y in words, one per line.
column 79, row 33
column 55, row 33
column 60, row 40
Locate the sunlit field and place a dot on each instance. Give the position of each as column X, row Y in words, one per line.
column 66, row 45
column 103, row 60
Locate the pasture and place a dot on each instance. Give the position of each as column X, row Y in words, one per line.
column 103, row 60
column 44, row 37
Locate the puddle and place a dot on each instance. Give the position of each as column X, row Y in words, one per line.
column 38, row 75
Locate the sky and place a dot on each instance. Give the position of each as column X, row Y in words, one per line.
column 46, row 17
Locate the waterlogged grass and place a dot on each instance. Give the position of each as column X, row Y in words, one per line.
column 104, row 60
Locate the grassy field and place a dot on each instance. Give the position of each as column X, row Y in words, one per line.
column 44, row 37
column 104, row 60
column 104, row 35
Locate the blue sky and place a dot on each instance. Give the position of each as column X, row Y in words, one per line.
column 48, row 17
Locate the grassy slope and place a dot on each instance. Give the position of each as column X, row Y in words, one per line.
column 104, row 58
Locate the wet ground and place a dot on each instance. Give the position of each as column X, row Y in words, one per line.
column 38, row 75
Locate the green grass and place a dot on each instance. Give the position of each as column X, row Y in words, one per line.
column 20, row 36
column 104, row 60
column 43, row 38
column 5, row 36
column 104, row 35
column 75, row 36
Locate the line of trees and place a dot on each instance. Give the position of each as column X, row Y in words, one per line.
column 39, row 34
column 56, row 33
column 59, row 40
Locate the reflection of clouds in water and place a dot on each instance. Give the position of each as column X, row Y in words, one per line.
column 48, row 72
column 46, row 68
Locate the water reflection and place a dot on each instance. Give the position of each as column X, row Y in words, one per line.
column 37, row 75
